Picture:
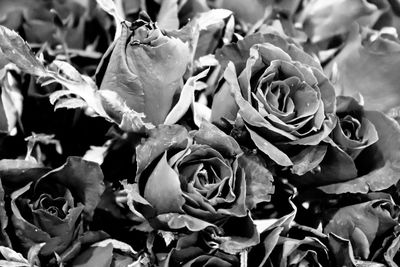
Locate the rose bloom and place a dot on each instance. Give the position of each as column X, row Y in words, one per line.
column 145, row 67
column 279, row 92
column 190, row 179
column 53, row 208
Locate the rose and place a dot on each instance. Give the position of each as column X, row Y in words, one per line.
column 196, row 175
column 345, row 150
column 363, row 223
column 192, row 181
column 145, row 68
column 54, row 208
column 285, row 101
column 286, row 243
column 354, row 131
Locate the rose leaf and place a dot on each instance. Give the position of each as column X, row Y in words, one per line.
column 16, row 50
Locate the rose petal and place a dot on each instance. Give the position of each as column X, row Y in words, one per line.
column 209, row 134
column 162, row 188
column 55, row 226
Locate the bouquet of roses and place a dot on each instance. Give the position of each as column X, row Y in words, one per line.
column 199, row 133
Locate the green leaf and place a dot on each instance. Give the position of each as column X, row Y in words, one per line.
column 16, row 50
column 11, row 102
